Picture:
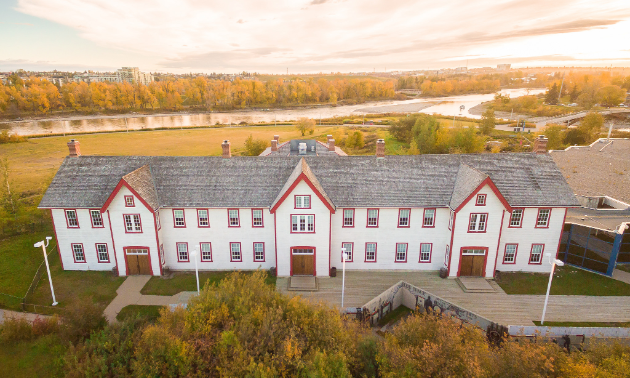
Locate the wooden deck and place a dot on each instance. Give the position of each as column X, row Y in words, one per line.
column 362, row 286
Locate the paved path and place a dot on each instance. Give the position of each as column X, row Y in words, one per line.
column 622, row 276
column 129, row 294
column 499, row 307
column 8, row 314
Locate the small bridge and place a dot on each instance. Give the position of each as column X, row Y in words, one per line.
column 568, row 119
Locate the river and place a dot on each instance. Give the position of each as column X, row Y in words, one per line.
column 448, row 106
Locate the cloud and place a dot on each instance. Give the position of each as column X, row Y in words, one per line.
column 317, row 2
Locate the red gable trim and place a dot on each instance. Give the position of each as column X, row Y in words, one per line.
column 485, row 182
column 117, row 189
column 301, row 177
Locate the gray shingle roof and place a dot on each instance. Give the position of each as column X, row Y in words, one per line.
column 467, row 180
column 350, row 181
column 142, row 182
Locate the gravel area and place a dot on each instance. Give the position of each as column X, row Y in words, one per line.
column 401, row 108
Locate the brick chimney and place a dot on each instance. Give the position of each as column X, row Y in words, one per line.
column 540, row 145
column 380, row 148
column 276, row 138
column 74, row 147
column 331, row 145
column 328, row 137
column 274, row 145
column 226, row 149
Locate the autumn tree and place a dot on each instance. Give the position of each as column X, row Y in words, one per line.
column 551, row 97
column 488, row 121
column 355, row 140
column 611, row 95
column 254, row 147
column 591, row 125
column 305, row 125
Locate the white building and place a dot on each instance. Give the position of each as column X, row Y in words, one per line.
column 470, row 214
column 133, row 75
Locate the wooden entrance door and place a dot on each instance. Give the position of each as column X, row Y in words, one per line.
column 303, row 261
column 473, row 262
column 138, row 261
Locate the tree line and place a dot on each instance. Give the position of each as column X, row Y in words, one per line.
column 586, row 90
column 445, row 87
column 243, row 327
column 37, row 95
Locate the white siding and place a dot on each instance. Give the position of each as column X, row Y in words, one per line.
column 386, row 235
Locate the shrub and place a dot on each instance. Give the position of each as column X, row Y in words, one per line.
column 6, row 138
column 254, row 147
column 80, row 320
column 16, row 329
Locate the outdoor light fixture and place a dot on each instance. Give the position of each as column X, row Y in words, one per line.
column 553, row 263
column 193, row 255
column 43, row 246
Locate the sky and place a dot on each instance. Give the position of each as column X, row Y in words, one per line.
column 310, row 36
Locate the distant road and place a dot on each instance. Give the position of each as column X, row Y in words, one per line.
column 572, row 117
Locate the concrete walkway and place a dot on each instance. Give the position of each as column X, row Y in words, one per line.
column 129, row 294
column 362, row 286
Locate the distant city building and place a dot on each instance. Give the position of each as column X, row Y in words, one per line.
column 461, row 70
column 133, row 75
column 503, row 67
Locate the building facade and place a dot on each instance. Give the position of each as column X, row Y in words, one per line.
column 472, row 215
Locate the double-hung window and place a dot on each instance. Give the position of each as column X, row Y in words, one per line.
column 302, row 202
column 235, row 252
column 372, row 218
column 259, row 252
column 403, row 217
column 129, row 202
column 206, row 251
column 481, row 200
column 178, row 218
column 425, row 252
column 535, row 256
column 542, row 221
column 101, row 252
column 71, row 219
column 429, row 218
column 401, row 252
column 97, row 219
column 132, row 223
column 509, row 257
column 233, row 218
column 78, row 253
column 302, row 223
column 202, row 218
column 370, row 252
column 257, row 218
column 182, row 252
column 348, row 217
column 349, row 251
column 516, row 219
column 477, row 222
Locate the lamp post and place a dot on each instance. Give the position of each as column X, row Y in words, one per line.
column 343, row 275
column 44, row 245
column 193, row 254
column 553, row 263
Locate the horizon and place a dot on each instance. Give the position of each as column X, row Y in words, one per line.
column 312, row 36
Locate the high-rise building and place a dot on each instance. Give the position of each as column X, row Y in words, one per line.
column 133, row 75
column 503, row 67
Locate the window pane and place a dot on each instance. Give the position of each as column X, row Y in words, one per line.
column 403, row 220
column 543, row 217
column 473, row 222
column 425, row 252
column 429, row 215
column 179, row 218
column 311, row 223
column 203, row 217
column 372, row 217
column 79, row 256
column 515, row 220
column 481, row 226
column 206, row 252
column 348, row 217
column 348, row 247
column 72, row 218
column 97, row 220
column 257, row 214
column 298, row 201
column 101, row 250
column 510, row 253
column 136, row 221
column 401, row 252
column 235, row 249
column 307, row 201
column 294, row 223
column 182, row 251
column 370, row 251
column 259, row 252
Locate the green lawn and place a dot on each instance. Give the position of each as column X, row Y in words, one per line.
column 186, row 281
column 394, row 316
column 567, row 281
column 35, row 358
column 583, row 324
column 151, row 313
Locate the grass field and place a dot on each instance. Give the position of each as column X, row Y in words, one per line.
column 567, row 281
column 35, row 358
column 394, row 316
column 583, row 324
column 186, row 281
column 151, row 313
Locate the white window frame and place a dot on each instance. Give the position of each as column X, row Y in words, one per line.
column 375, row 222
column 545, row 222
column 74, row 219
column 401, row 253
column 259, row 250
column 348, row 221
column 367, row 252
column 302, row 223
column 406, row 219
column 537, row 253
column 182, row 252
column 235, row 252
column 99, row 252
column 78, row 252
column 476, row 224
column 257, row 221
column 432, row 218
column 303, row 202
column 133, row 223
column 425, row 255
column 99, row 219
column 509, row 256
column 206, row 253
column 517, row 213
column 200, row 220
column 179, row 222
column 349, row 251
column 231, row 218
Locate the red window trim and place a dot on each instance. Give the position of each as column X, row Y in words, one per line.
column 542, row 254
column 367, row 220
column 76, row 213
column 97, row 256
column 341, row 255
column 406, row 253
column 314, row 258
column 187, row 251
column 408, row 219
column 505, row 252
column 240, row 248
column 125, row 249
column 461, row 255
column 74, row 256
column 522, row 216
column 310, row 203
column 92, row 220
column 201, row 254
column 430, row 254
column 548, row 217
column 375, row 252
column 262, row 218
column 183, row 215
column 343, row 218
column 424, row 213
column 485, row 227
column 301, row 232
column 125, row 223
column 133, row 202
column 485, row 198
column 238, row 216
column 158, row 221
column 451, row 219
column 199, row 219
column 254, row 251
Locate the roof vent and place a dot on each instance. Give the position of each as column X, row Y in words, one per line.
column 302, row 148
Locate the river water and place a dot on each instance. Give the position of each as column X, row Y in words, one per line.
column 448, row 106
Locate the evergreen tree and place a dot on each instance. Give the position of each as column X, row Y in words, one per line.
column 551, row 97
